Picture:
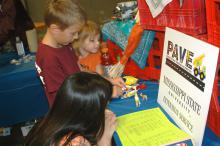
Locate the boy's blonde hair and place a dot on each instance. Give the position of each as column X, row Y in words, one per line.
column 89, row 30
column 64, row 13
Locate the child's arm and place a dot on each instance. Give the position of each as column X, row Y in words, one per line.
column 99, row 69
column 117, row 91
column 80, row 67
column 118, row 85
column 117, row 82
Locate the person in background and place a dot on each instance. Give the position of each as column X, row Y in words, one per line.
column 7, row 20
column 55, row 59
column 14, row 22
column 88, row 49
column 78, row 116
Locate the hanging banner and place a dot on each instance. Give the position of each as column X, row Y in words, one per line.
column 186, row 81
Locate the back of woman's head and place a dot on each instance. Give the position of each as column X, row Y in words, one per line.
column 78, row 109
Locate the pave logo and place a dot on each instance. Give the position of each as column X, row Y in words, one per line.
column 185, row 63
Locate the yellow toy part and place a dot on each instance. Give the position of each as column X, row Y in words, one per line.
column 129, row 80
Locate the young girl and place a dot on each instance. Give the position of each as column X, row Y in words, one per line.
column 78, row 116
column 87, row 47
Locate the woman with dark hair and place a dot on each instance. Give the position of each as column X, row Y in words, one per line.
column 78, row 116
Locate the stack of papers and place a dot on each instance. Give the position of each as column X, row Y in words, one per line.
column 149, row 128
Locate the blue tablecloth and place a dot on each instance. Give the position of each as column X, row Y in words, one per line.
column 125, row 106
column 22, row 96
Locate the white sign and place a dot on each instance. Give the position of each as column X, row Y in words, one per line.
column 186, row 81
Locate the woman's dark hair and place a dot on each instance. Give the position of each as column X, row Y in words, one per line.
column 79, row 109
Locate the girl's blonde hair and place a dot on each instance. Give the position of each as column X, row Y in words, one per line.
column 64, row 13
column 90, row 30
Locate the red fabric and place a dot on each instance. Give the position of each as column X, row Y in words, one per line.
column 53, row 66
column 148, row 73
column 131, row 68
column 214, row 108
column 114, row 51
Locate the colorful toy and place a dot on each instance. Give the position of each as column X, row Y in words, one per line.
column 132, row 88
column 143, row 96
column 129, row 80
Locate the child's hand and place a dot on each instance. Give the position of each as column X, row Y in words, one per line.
column 118, row 82
column 110, row 127
column 118, row 85
column 117, row 91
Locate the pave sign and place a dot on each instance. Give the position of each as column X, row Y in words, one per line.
column 186, row 81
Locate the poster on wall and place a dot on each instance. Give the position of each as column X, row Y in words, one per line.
column 186, row 81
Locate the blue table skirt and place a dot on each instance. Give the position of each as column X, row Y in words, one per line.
column 125, row 106
column 22, row 96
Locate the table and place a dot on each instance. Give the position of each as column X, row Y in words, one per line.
column 22, row 96
column 125, row 106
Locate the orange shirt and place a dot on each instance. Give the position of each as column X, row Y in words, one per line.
column 90, row 62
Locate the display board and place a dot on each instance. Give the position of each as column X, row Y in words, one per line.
column 186, row 81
